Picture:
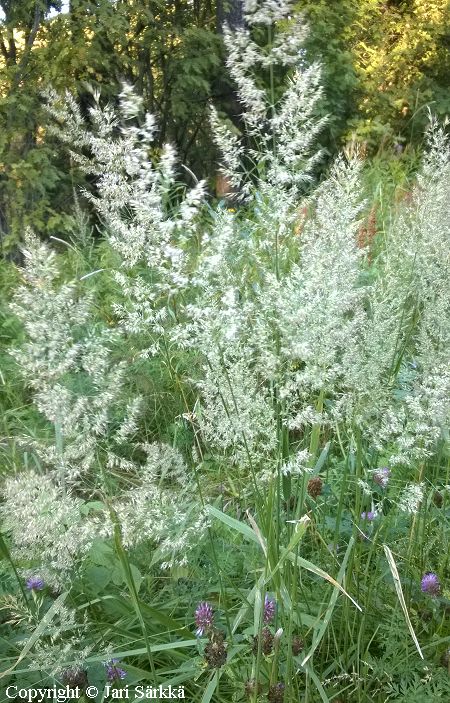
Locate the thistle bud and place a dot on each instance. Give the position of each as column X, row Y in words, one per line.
column 276, row 693
column 297, row 645
column 216, row 650
column 75, row 678
column 266, row 642
column 315, row 486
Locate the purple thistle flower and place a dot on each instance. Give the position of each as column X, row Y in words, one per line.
column 269, row 609
column 114, row 672
column 369, row 515
column 35, row 583
column 430, row 584
column 204, row 616
column 382, row 476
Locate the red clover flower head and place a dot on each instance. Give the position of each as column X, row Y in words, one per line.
column 269, row 609
column 204, row 616
column 430, row 584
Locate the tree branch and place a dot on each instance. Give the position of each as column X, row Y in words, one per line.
column 3, row 49
column 28, row 46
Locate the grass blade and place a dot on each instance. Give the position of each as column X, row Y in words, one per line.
column 329, row 611
column 398, row 588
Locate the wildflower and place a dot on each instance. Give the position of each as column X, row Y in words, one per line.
column 297, row 645
column 315, row 486
column 75, row 677
column 114, row 672
column 370, row 515
column 269, row 609
column 216, row 650
column 381, row 476
column 430, row 584
column 276, row 693
column 203, row 618
column 364, row 486
column 266, row 642
column 35, row 583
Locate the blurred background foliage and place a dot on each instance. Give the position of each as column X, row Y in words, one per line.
column 383, row 64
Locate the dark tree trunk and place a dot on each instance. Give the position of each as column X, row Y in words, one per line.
column 230, row 12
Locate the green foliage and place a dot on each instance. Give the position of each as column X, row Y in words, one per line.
column 402, row 62
column 331, row 35
column 169, row 51
column 383, row 63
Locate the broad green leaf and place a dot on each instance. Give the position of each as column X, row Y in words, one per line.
column 98, row 577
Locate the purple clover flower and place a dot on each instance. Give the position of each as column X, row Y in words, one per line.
column 204, row 616
column 382, row 476
column 430, row 584
column 269, row 609
column 35, row 583
column 114, row 672
column 370, row 515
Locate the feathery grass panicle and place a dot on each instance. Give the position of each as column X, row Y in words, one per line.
column 281, row 149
